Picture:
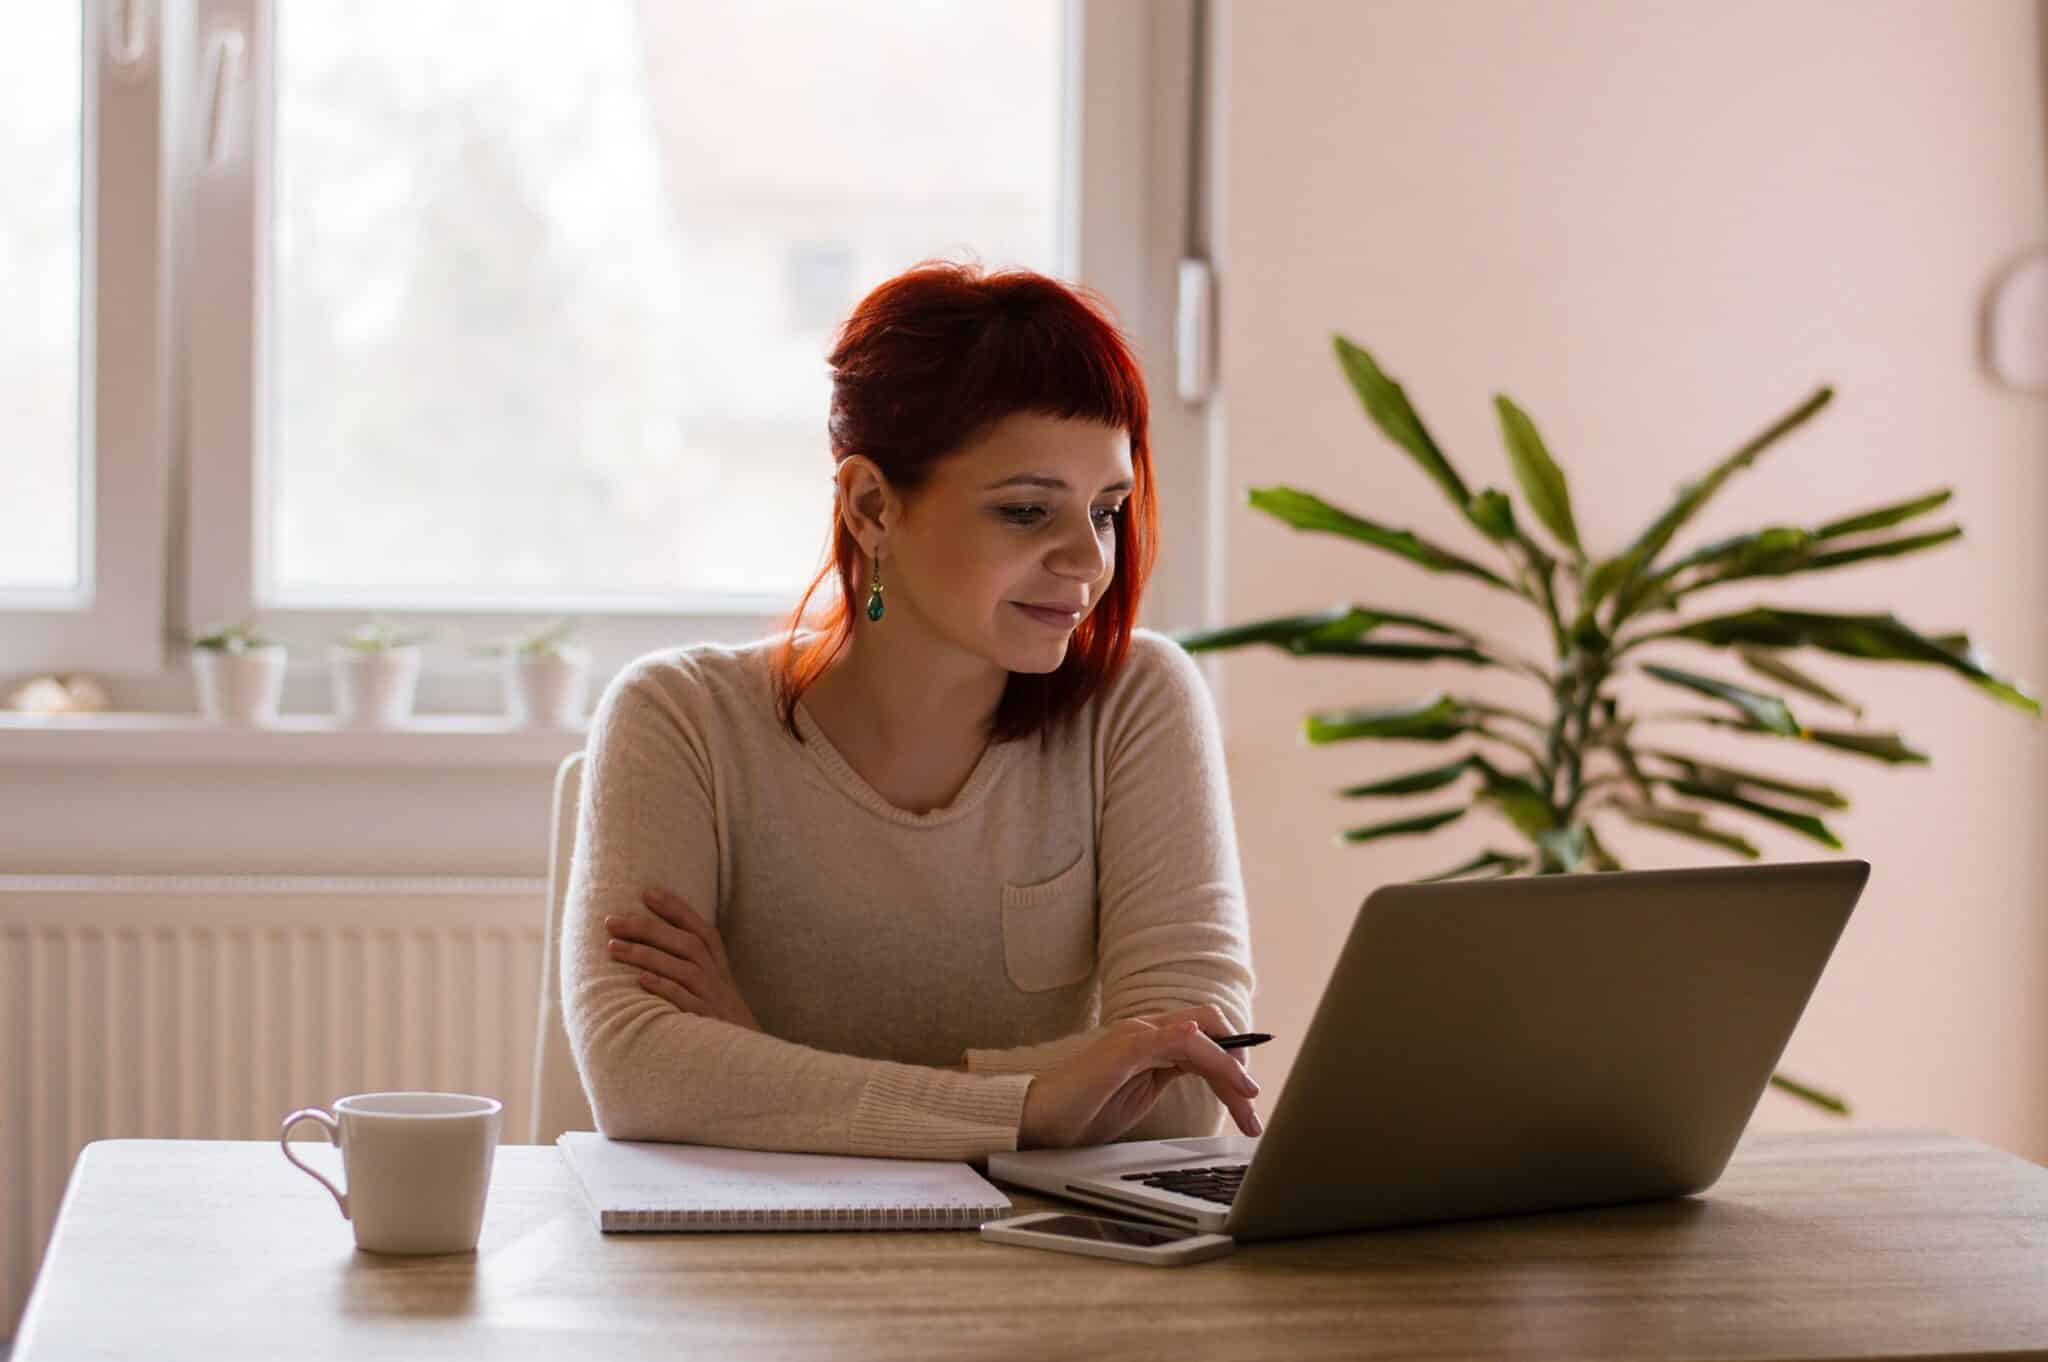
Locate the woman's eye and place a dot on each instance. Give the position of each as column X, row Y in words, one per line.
column 1103, row 516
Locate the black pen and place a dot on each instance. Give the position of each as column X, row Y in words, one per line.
column 1241, row 1040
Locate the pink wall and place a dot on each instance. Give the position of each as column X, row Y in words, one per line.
column 1658, row 227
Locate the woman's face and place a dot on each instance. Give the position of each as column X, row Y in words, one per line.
column 1020, row 519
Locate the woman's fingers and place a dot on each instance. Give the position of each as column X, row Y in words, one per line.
column 672, row 992
column 1211, row 1019
column 1189, row 1045
column 661, row 936
column 688, row 921
column 1096, row 1095
column 689, row 973
column 1214, row 1023
column 682, row 952
column 1188, row 1048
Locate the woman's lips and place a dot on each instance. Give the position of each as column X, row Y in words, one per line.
column 1055, row 619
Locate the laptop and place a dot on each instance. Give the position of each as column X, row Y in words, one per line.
column 1502, row 1047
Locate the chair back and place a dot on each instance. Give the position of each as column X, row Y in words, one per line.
column 559, row 1102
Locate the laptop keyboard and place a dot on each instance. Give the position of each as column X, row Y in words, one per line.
column 1219, row 1183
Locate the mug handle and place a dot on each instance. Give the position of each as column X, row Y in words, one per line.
column 333, row 1134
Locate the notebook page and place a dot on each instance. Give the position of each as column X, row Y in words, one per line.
column 635, row 1175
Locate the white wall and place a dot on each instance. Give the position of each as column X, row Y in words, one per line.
column 1658, row 226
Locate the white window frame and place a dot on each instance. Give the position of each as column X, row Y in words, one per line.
column 1124, row 228
column 114, row 621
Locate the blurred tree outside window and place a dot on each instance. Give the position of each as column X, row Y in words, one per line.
column 554, row 284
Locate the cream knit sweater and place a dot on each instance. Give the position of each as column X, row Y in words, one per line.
column 1081, row 876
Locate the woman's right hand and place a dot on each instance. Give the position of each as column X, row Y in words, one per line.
column 1107, row 1088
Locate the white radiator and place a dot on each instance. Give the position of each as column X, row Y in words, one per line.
column 209, row 1007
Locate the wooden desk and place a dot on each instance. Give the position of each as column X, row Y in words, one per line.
column 1832, row 1245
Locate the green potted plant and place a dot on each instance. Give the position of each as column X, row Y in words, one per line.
column 546, row 676
column 240, row 674
column 375, row 668
column 1556, row 769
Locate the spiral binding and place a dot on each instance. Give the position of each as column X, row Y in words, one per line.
column 807, row 1218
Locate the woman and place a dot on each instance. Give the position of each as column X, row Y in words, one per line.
column 953, row 872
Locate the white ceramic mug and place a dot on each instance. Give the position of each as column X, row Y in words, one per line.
column 418, row 1165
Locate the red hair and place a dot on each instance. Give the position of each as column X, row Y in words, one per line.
column 924, row 365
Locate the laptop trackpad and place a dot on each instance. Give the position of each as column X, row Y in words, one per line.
column 1242, row 1145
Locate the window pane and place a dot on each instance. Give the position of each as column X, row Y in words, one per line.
column 40, row 104
column 554, row 291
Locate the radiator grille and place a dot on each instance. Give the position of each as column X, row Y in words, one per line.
column 209, row 1007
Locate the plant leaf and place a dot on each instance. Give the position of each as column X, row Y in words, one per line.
column 1712, row 773
column 1642, row 554
column 1359, row 619
column 1597, row 852
column 1388, row 406
column 1606, row 575
column 1888, row 747
column 1485, row 860
column 1338, row 623
column 1340, row 632
column 1397, row 652
column 1884, row 517
column 1741, row 550
column 1882, row 638
column 1686, row 823
column 1768, row 711
column 1541, row 479
column 1493, row 513
column 1777, row 551
column 1566, row 845
column 1520, row 800
column 1402, row 827
column 1799, row 822
column 1804, row 556
column 1991, row 684
column 1414, row 782
column 1857, row 553
column 1304, row 511
column 1434, row 718
column 1344, row 637
column 1785, row 673
column 1625, row 757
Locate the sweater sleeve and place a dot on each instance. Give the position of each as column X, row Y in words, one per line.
column 655, row 1072
column 1173, row 930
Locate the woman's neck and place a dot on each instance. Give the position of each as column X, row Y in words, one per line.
column 908, row 687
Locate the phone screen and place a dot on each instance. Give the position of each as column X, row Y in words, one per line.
column 1108, row 1231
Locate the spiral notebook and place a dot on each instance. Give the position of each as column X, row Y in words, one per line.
column 645, row 1185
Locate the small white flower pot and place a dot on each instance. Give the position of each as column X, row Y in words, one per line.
column 546, row 690
column 373, row 687
column 239, row 688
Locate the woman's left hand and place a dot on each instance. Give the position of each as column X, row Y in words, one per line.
column 680, row 959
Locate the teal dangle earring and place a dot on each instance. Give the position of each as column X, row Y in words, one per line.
column 875, row 593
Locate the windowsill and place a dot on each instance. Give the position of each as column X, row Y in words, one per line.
column 291, row 740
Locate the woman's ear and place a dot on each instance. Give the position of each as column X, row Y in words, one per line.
column 866, row 503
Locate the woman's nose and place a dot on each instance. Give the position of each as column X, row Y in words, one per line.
column 1082, row 555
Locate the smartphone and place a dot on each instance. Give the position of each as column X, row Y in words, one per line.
column 1100, row 1237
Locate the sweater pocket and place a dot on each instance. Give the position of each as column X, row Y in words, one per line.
column 1049, row 929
